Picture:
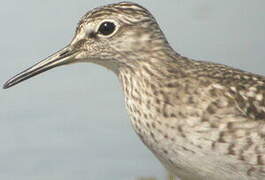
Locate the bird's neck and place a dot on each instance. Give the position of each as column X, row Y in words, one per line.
column 150, row 66
column 143, row 82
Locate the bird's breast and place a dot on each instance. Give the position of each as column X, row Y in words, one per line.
column 178, row 131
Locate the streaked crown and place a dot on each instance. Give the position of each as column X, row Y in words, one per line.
column 116, row 30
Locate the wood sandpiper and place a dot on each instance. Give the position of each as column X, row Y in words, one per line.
column 203, row 121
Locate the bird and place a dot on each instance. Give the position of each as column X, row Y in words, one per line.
column 202, row 120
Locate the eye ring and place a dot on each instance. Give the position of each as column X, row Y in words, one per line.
column 106, row 28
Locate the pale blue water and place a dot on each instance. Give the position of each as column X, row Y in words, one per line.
column 70, row 123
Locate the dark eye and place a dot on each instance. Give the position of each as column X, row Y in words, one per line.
column 106, row 28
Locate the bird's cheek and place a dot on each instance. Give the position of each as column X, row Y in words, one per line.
column 133, row 44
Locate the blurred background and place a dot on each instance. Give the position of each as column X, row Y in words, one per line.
column 70, row 123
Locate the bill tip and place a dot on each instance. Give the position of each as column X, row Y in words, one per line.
column 6, row 85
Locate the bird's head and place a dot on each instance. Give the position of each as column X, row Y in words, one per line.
column 115, row 35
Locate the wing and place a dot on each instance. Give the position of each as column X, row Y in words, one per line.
column 246, row 89
column 231, row 110
column 236, row 112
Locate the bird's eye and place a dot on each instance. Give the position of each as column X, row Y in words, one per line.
column 106, row 28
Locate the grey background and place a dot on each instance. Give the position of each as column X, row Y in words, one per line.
column 70, row 123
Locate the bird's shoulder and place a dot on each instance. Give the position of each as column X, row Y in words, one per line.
column 244, row 91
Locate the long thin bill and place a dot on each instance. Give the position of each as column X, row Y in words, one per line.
column 64, row 56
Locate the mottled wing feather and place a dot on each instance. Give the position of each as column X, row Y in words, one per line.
column 236, row 114
column 246, row 89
